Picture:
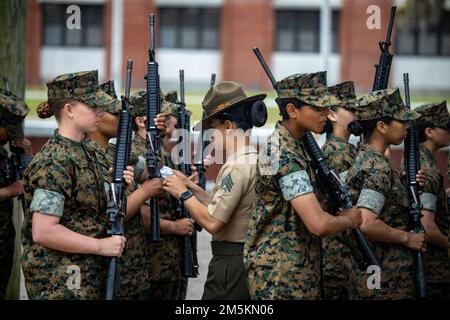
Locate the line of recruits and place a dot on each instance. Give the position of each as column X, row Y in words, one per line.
column 274, row 233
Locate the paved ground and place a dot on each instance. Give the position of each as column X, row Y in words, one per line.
column 195, row 286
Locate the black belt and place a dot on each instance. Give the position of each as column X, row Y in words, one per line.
column 226, row 248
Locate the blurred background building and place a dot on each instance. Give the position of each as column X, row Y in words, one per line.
column 216, row 36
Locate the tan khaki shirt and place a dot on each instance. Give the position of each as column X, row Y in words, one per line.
column 234, row 194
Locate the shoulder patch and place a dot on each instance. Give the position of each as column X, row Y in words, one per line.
column 227, row 183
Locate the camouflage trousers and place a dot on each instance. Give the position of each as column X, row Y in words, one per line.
column 337, row 269
column 7, row 234
column 165, row 290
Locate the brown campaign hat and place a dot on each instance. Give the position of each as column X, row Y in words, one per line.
column 221, row 97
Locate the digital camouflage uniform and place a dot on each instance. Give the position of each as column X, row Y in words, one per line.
column 12, row 112
column 282, row 258
column 338, row 264
column 62, row 182
column 376, row 185
column 133, row 274
column 164, row 258
column 434, row 199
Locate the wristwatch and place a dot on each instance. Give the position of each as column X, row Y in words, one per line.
column 186, row 195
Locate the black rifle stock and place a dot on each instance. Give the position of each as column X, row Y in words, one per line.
column 338, row 189
column 189, row 261
column 116, row 207
column 412, row 165
column 383, row 68
column 153, row 139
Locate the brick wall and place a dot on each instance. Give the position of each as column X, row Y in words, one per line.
column 136, row 37
column 33, row 40
column 244, row 25
column 359, row 45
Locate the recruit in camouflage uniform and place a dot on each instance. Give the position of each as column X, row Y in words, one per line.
column 338, row 264
column 163, row 259
column 62, row 182
column 133, row 274
column 12, row 112
column 434, row 199
column 376, row 185
column 281, row 256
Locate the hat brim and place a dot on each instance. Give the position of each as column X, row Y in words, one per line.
column 324, row 100
column 102, row 100
column 206, row 122
column 406, row 115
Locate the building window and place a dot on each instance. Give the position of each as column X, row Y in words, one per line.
column 335, row 27
column 298, row 30
column 434, row 41
column 189, row 28
column 56, row 33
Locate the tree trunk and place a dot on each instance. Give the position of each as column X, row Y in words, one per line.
column 12, row 64
column 12, row 44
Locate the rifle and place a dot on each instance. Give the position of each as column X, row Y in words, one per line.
column 338, row 189
column 202, row 144
column 412, row 165
column 383, row 67
column 189, row 261
column 153, row 155
column 17, row 162
column 115, row 190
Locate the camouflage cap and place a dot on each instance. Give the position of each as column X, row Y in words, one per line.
column 170, row 108
column 12, row 112
column 138, row 103
column 310, row 88
column 435, row 113
column 345, row 92
column 382, row 103
column 108, row 88
column 171, row 96
column 81, row 86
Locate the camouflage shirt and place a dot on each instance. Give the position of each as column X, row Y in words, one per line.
column 61, row 181
column 376, row 185
column 164, row 258
column 281, row 256
column 337, row 260
column 133, row 274
column 433, row 198
column 339, row 155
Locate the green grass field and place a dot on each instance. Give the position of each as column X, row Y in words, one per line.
column 194, row 104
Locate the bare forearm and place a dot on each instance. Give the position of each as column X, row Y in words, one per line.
column 377, row 230
column 202, row 196
column 134, row 202
column 4, row 194
column 436, row 237
column 334, row 225
column 58, row 237
column 199, row 213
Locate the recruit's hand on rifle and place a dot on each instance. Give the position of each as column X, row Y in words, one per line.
column 152, row 187
column 128, row 175
column 354, row 215
column 13, row 190
column 25, row 144
column 160, row 123
column 420, row 177
column 112, row 246
column 194, row 176
column 183, row 227
column 416, row 241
